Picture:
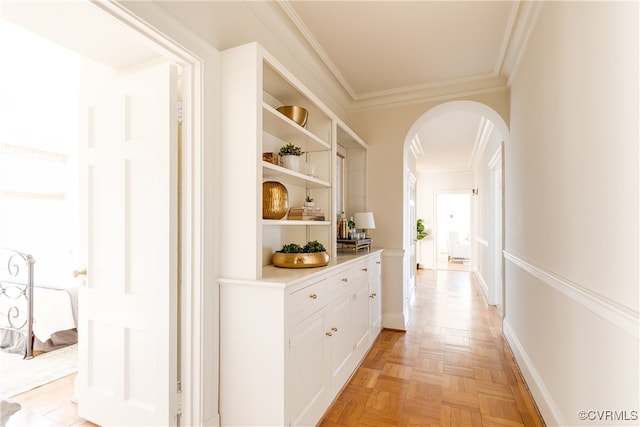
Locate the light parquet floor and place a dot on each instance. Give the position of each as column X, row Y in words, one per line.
column 50, row 405
column 452, row 367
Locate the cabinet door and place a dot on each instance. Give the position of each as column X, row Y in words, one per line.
column 375, row 296
column 309, row 381
column 341, row 341
column 360, row 322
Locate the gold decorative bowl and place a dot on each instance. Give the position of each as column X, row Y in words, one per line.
column 300, row 260
column 295, row 113
column 275, row 200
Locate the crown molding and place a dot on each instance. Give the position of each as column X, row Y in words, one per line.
column 494, row 84
column 525, row 20
column 319, row 65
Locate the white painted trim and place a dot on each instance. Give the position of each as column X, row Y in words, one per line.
column 529, row 17
column 496, row 159
column 393, row 321
column 545, row 403
column 483, row 286
column 482, row 137
column 618, row 315
column 200, row 58
column 393, row 252
column 482, row 241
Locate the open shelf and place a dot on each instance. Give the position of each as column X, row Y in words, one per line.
column 288, row 176
column 292, row 222
column 287, row 130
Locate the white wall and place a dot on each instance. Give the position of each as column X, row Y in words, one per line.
column 572, row 211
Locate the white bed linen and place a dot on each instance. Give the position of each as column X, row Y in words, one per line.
column 52, row 312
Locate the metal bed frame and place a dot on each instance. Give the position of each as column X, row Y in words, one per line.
column 16, row 285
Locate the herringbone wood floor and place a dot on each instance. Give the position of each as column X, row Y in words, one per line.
column 452, row 367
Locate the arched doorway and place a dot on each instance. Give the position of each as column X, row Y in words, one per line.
column 479, row 174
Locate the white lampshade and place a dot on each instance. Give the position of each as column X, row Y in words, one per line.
column 364, row 220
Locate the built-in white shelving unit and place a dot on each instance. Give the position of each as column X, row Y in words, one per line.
column 315, row 324
column 256, row 84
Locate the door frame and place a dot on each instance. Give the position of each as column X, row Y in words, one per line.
column 496, row 200
column 199, row 200
column 436, row 234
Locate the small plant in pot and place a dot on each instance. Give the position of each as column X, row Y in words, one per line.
column 292, row 255
column 291, row 156
column 308, row 202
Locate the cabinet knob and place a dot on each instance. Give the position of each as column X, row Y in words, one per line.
column 76, row 273
column 334, row 329
column 372, row 296
column 365, row 269
column 344, row 279
column 378, row 262
column 313, row 296
column 329, row 334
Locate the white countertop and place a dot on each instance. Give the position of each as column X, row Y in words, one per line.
column 285, row 277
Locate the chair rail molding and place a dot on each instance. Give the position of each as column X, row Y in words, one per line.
column 620, row 316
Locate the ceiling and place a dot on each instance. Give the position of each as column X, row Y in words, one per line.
column 389, row 51
column 384, row 47
column 383, row 52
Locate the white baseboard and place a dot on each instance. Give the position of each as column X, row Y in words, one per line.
column 546, row 405
column 483, row 286
column 394, row 321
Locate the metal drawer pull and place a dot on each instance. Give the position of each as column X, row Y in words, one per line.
column 334, row 329
column 313, row 296
column 365, row 269
column 345, row 279
column 378, row 262
column 329, row 334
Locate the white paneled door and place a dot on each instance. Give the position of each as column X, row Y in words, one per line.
column 128, row 350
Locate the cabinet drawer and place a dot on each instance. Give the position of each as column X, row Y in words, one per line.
column 308, row 298
column 341, row 281
column 361, row 272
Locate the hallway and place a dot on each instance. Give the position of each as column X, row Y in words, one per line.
column 451, row 368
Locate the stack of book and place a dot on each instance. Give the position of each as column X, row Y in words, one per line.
column 307, row 213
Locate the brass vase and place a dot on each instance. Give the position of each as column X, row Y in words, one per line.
column 275, row 200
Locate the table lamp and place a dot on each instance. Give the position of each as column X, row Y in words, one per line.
column 364, row 221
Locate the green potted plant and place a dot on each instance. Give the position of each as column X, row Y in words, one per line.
column 290, row 154
column 421, row 233
column 308, row 202
column 292, row 255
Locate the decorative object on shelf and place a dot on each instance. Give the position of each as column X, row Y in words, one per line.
column 365, row 221
column 292, row 255
column 273, row 158
column 351, row 225
column 275, row 200
column 308, row 202
column 291, row 156
column 306, row 213
column 296, row 113
column 343, row 228
column 355, row 244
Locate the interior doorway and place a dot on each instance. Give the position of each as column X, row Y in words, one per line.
column 453, row 231
column 59, row 182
